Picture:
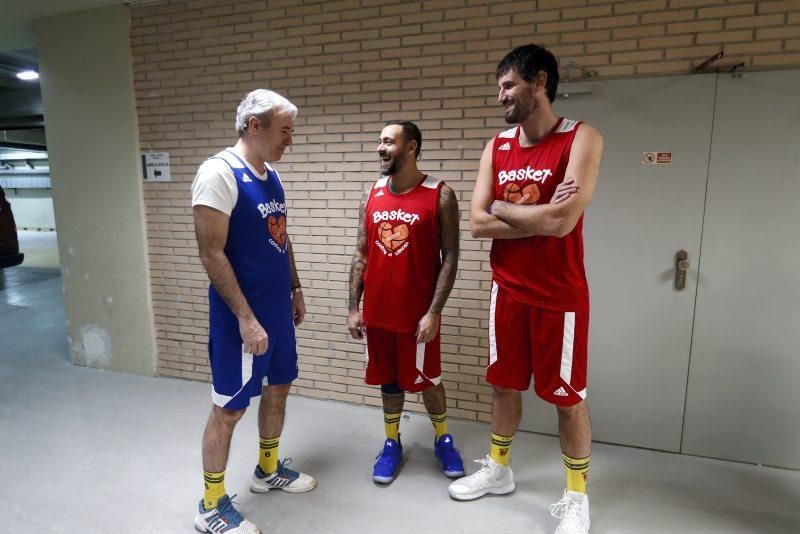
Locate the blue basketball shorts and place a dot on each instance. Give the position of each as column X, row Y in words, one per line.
column 236, row 377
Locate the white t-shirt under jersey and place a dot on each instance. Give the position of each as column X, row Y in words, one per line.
column 215, row 186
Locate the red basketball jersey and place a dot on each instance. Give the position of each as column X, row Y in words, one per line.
column 541, row 271
column 403, row 254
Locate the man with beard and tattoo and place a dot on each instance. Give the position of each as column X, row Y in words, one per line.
column 539, row 309
column 405, row 264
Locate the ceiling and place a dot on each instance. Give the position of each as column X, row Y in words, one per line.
column 13, row 62
column 20, row 101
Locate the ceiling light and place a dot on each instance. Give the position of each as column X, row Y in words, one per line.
column 28, row 75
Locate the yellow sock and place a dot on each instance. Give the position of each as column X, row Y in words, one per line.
column 500, row 450
column 577, row 472
column 391, row 422
column 268, row 454
column 439, row 424
column 215, row 488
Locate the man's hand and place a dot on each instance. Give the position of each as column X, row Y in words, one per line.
column 355, row 324
column 564, row 191
column 254, row 336
column 298, row 307
column 427, row 327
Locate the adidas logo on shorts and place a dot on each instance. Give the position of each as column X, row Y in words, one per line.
column 418, row 380
column 506, row 146
column 561, row 392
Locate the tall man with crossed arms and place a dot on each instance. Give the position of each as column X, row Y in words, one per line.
column 539, row 310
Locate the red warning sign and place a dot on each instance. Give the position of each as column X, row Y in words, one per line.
column 656, row 158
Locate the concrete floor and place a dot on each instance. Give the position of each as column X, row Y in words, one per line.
column 89, row 451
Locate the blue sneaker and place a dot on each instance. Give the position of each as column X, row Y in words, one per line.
column 389, row 460
column 224, row 519
column 448, row 456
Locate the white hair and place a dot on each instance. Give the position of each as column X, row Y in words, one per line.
column 262, row 103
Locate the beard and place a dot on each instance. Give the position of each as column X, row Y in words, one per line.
column 518, row 113
column 393, row 166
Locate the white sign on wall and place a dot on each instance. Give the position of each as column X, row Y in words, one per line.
column 155, row 166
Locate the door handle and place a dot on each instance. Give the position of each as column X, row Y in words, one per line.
column 681, row 266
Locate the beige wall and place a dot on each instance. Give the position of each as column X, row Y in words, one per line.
column 93, row 150
column 350, row 65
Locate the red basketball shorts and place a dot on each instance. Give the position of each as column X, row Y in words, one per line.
column 395, row 356
column 527, row 340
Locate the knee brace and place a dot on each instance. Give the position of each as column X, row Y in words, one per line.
column 392, row 389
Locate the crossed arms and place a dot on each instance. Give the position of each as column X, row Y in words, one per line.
column 505, row 220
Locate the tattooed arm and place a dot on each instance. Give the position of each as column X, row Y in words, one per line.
column 355, row 323
column 448, row 228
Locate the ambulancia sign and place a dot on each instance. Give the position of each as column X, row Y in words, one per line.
column 155, row 166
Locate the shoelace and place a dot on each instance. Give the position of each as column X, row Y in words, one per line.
column 285, row 472
column 382, row 453
column 485, row 472
column 230, row 513
column 569, row 511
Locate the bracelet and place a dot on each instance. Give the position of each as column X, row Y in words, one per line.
column 298, row 289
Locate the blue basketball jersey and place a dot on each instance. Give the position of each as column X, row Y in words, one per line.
column 257, row 250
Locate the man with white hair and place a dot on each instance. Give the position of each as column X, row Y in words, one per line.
column 255, row 302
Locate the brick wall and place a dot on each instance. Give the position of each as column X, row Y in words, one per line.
column 350, row 65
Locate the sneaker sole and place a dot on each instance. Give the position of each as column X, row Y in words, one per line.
column 454, row 474
column 382, row 480
column 255, row 488
column 502, row 490
column 200, row 528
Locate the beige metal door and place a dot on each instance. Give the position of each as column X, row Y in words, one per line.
column 640, row 217
column 743, row 400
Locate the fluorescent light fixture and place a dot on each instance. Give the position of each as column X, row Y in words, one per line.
column 28, row 75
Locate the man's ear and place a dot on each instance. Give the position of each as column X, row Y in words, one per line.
column 541, row 79
column 412, row 145
column 254, row 124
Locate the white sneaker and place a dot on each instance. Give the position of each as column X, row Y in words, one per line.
column 224, row 519
column 491, row 478
column 573, row 511
column 283, row 478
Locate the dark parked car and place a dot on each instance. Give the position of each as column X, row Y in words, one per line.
column 9, row 244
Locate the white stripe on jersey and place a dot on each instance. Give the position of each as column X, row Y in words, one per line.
column 509, row 134
column 566, row 125
column 431, row 182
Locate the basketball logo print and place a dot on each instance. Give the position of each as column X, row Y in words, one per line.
column 277, row 227
column 521, row 195
column 392, row 237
